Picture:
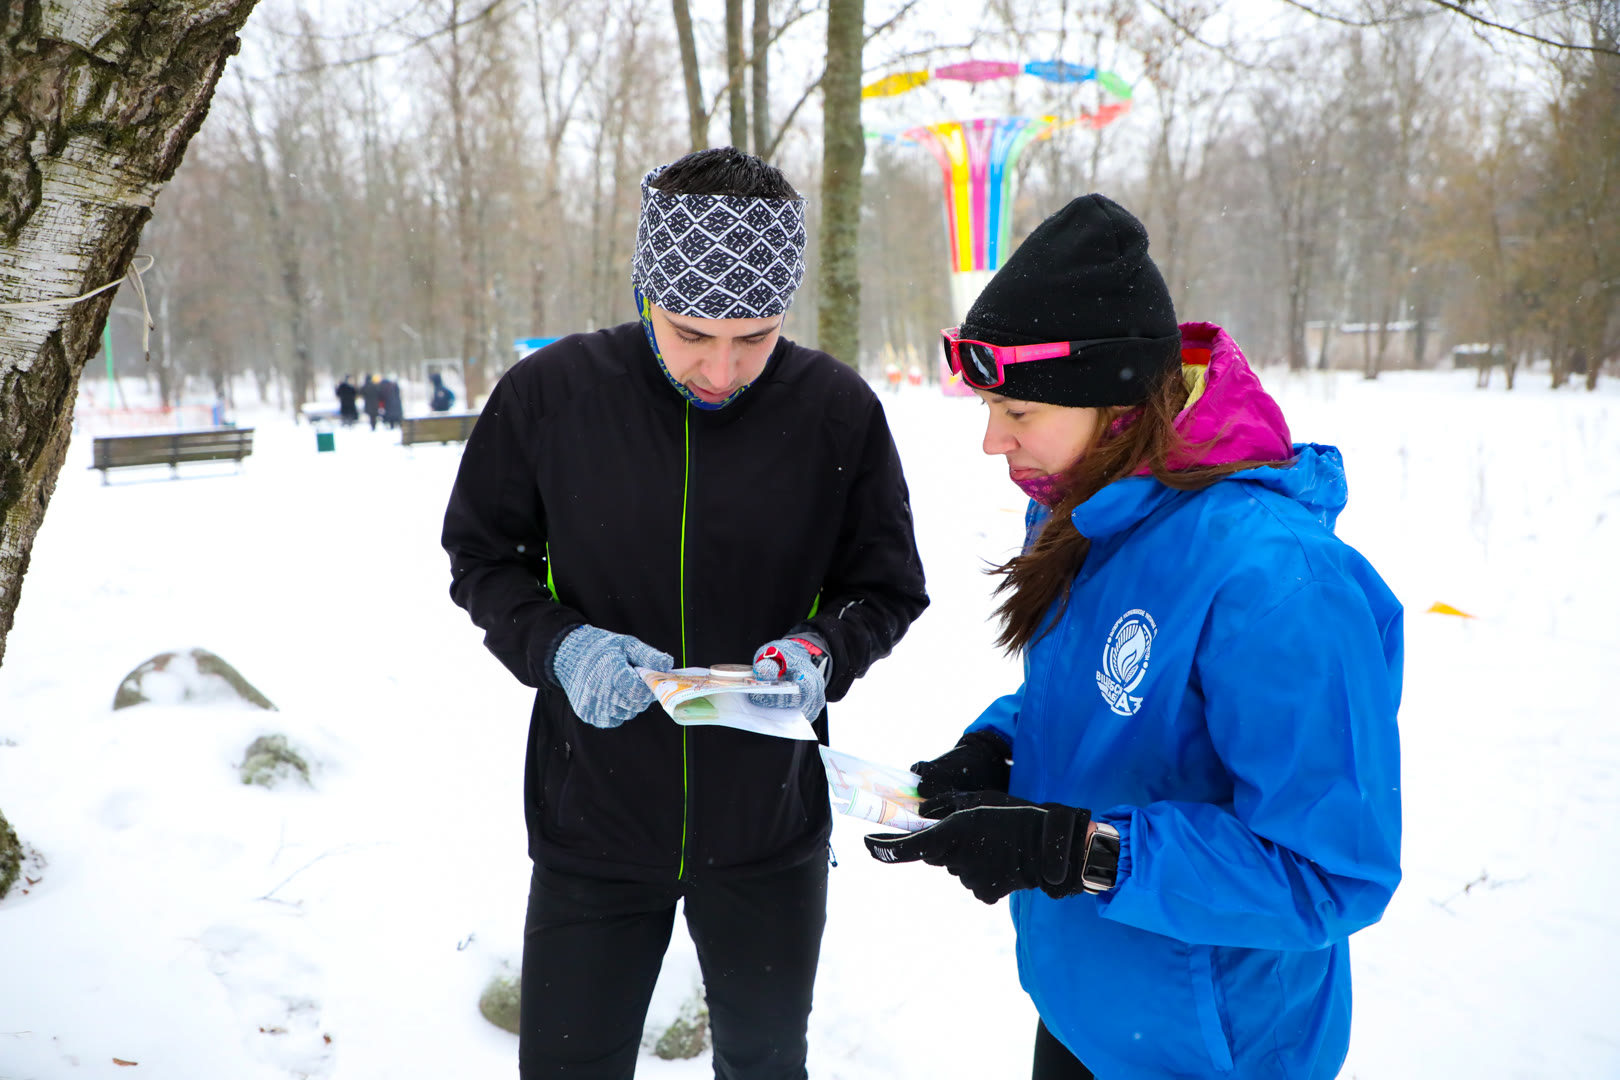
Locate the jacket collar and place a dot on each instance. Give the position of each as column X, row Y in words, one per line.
column 1228, row 417
column 641, row 358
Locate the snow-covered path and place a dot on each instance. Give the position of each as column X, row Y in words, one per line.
column 206, row 929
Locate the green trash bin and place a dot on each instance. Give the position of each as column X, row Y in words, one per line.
column 324, row 442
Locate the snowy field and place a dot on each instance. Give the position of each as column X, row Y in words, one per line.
column 209, row 930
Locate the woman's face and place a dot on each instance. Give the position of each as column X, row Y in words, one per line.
column 1037, row 439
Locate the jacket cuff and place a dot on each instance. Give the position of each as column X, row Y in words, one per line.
column 546, row 671
column 989, row 738
column 1062, row 855
column 805, row 632
column 1120, row 819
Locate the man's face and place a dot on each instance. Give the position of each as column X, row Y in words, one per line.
column 714, row 358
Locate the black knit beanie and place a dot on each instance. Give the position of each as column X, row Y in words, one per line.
column 1084, row 274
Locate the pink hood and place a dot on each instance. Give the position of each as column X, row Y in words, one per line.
column 1230, row 417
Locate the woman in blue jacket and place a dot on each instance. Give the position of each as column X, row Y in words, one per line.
column 1203, row 796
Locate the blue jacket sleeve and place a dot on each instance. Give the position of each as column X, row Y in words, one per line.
column 1001, row 716
column 1301, row 709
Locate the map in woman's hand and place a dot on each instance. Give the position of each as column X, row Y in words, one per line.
column 872, row 792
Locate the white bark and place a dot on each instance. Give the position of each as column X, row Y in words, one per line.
column 96, row 109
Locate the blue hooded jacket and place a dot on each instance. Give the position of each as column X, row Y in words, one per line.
column 1222, row 688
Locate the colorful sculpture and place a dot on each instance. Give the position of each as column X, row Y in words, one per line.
column 978, row 161
column 978, row 71
column 896, row 84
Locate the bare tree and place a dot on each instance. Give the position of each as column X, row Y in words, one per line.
column 1296, row 123
column 760, row 78
column 570, row 42
column 1190, row 96
column 282, row 229
column 697, row 117
column 736, row 86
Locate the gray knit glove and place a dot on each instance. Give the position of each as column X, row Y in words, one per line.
column 791, row 660
column 597, row 672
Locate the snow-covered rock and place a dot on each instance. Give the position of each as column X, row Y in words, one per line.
column 500, row 1002
column 688, row 1036
column 11, row 856
column 270, row 760
column 195, row 677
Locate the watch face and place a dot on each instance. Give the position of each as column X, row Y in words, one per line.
column 1102, row 863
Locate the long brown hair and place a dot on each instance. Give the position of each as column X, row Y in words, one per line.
column 1041, row 577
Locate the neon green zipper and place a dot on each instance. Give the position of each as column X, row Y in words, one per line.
column 686, row 793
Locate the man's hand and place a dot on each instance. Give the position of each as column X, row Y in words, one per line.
column 977, row 763
column 995, row 844
column 597, row 672
column 802, row 660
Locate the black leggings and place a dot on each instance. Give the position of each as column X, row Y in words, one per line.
column 1053, row 1060
column 592, row 950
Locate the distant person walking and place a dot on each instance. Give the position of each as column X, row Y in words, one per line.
column 346, row 395
column 443, row 397
column 393, row 411
column 371, row 396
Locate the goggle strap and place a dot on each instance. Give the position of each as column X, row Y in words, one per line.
column 1045, row 351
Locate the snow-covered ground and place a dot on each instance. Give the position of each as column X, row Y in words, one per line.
column 208, row 930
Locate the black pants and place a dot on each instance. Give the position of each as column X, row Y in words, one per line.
column 592, row 950
column 1053, row 1060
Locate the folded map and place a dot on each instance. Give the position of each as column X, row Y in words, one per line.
column 871, row 792
column 694, row 698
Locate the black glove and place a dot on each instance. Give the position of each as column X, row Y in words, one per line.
column 996, row 844
column 978, row 763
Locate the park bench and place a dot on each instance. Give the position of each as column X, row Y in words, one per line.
column 315, row 413
column 442, row 428
column 1481, row 356
column 172, row 449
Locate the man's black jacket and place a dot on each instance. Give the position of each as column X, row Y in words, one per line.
column 591, row 492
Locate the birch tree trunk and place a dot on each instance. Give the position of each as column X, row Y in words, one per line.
column 843, row 152
column 98, row 100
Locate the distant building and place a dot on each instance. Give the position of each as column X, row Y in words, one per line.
column 1349, row 345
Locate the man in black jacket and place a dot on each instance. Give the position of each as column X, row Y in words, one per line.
column 689, row 490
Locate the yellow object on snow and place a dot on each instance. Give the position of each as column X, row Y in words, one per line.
column 1438, row 608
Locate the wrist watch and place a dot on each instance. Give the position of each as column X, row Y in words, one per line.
column 1100, row 868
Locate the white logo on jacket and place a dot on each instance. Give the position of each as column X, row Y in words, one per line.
column 1125, row 660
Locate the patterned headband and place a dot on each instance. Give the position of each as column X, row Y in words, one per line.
column 718, row 256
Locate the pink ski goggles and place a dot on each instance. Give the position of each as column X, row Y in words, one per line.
column 983, row 365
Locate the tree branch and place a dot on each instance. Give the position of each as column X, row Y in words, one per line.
column 1516, row 32
column 1223, row 51
column 888, row 23
column 355, row 61
column 1459, row 9
column 748, row 60
column 787, row 121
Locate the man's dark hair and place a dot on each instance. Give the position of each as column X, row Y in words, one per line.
column 724, row 170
